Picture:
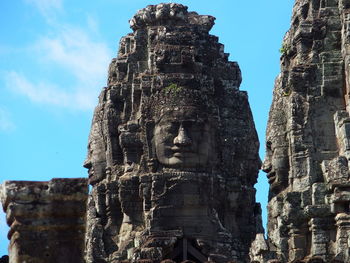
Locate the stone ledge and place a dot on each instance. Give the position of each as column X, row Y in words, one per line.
column 57, row 189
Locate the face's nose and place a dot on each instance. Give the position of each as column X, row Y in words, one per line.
column 182, row 138
column 87, row 164
column 266, row 166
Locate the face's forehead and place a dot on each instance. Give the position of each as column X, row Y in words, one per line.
column 180, row 113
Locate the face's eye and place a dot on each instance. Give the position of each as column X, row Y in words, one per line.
column 187, row 124
column 170, row 127
column 268, row 145
column 194, row 125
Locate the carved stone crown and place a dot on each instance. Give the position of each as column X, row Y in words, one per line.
column 169, row 14
column 176, row 97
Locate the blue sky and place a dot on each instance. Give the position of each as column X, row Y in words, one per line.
column 54, row 56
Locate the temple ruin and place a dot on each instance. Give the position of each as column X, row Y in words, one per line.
column 173, row 154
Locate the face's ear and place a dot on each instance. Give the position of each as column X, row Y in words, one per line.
column 151, row 149
column 149, row 137
column 213, row 154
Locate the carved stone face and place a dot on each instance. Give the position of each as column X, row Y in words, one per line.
column 276, row 165
column 183, row 139
column 96, row 159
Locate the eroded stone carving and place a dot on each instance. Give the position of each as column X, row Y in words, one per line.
column 173, row 152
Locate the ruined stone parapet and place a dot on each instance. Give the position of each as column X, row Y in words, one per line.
column 46, row 219
column 308, row 137
column 173, row 151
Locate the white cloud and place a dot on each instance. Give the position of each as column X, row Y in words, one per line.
column 49, row 93
column 92, row 24
column 37, row 92
column 6, row 123
column 73, row 49
column 75, row 52
column 48, row 8
column 78, row 55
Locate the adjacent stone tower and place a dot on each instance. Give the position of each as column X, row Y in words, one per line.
column 173, row 151
column 308, row 137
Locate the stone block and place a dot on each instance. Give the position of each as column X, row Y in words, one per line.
column 297, row 242
column 318, row 193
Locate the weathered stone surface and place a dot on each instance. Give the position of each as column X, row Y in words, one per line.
column 173, row 151
column 46, row 219
column 308, row 138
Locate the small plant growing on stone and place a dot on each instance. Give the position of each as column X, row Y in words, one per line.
column 287, row 91
column 284, row 49
column 173, row 88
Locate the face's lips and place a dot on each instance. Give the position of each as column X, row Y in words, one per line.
column 271, row 176
column 182, row 154
column 181, row 150
column 91, row 172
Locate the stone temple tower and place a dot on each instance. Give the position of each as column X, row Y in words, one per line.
column 173, row 154
column 308, row 137
column 173, row 151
